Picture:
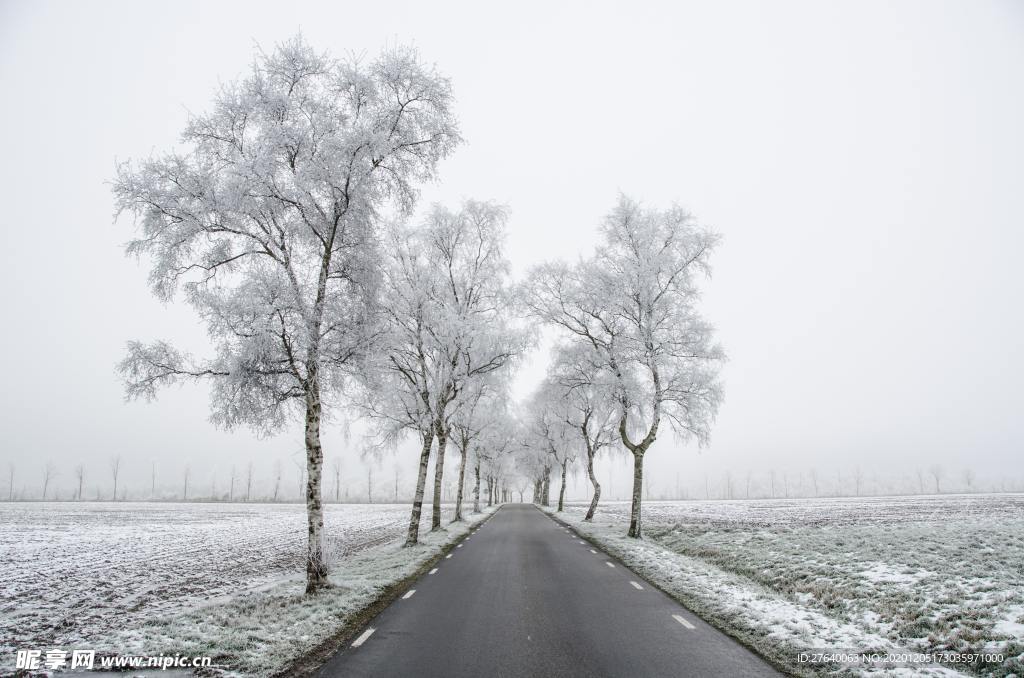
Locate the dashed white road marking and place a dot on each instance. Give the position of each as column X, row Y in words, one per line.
column 408, row 594
column 593, row 551
column 683, row 622
column 582, row 542
column 448, row 556
column 610, row 564
column 432, row 571
column 459, row 546
column 637, row 586
column 362, row 638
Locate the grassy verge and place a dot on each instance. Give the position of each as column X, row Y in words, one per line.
column 279, row 631
column 777, row 628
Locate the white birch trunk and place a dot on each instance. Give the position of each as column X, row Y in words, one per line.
column 413, row 535
column 464, row 446
column 476, row 487
column 635, row 523
column 593, row 481
column 316, row 568
column 442, row 441
column 561, row 492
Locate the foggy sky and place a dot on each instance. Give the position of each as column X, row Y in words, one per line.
column 864, row 162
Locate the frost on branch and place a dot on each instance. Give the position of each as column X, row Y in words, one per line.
column 633, row 305
column 267, row 221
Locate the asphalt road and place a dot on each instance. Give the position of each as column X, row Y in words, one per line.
column 522, row 596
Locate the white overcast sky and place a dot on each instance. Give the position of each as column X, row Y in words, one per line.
column 863, row 160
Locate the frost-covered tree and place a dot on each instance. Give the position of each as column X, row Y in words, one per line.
column 491, row 450
column 80, row 477
column 115, row 471
column 586, row 404
column 445, row 325
column 277, row 479
column 480, row 411
column 937, row 473
column 532, row 455
column 336, row 471
column 49, row 473
column 635, row 303
column 551, row 432
column 267, row 221
column 465, row 425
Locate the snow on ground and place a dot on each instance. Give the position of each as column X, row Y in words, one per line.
column 260, row 632
column 129, row 577
column 924, row 574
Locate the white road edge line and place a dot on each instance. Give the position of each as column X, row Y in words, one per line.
column 593, row 551
column 683, row 622
column 362, row 638
column 582, row 542
column 637, row 586
column 432, row 571
column 408, row 594
column 459, row 546
column 610, row 564
column 448, row 556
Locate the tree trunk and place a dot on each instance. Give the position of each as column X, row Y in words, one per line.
column 413, row 535
column 464, row 448
column 476, row 487
column 561, row 492
column 545, row 490
column 442, row 441
column 593, row 481
column 316, row 568
column 635, row 530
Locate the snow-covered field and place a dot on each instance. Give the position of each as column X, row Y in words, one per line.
column 927, row 574
column 85, row 575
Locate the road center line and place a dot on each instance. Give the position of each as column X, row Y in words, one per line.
column 408, row 595
column 683, row 621
column 362, row 638
column 637, row 586
column 432, row 571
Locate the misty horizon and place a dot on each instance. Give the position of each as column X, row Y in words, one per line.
column 866, row 289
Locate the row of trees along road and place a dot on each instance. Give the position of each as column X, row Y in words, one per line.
column 635, row 351
column 283, row 221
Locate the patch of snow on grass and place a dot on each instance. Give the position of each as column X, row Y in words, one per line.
column 179, row 575
column 925, row 574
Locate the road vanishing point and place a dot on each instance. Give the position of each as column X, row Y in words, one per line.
column 523, row 596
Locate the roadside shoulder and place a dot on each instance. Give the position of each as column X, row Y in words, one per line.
column 280, row 631
column 776, row 628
